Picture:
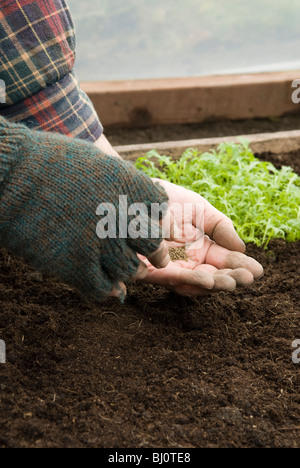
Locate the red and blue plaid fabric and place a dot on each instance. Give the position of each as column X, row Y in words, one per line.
column 37, row 55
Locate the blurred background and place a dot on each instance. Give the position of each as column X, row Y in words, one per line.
column 137, row 39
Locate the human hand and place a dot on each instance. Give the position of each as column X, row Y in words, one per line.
column 217, row 260
column 51, row 189
column 105, row 147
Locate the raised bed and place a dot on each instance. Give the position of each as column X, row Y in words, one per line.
column 144, row 103
column 276, row 143
column 160, row 370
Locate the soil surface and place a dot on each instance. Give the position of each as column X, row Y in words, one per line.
column 160, row 370
column 209, row 129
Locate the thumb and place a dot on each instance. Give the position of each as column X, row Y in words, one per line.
column 160, row 258
column 226, row 236
column 119, row 291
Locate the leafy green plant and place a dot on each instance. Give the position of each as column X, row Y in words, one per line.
column 263, row 202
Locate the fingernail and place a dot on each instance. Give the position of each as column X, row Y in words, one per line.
column 243, row 245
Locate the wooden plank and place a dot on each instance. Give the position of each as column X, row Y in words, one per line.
column 141, row 103
column 278, row 142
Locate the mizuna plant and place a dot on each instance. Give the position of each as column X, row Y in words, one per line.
column 263, row 202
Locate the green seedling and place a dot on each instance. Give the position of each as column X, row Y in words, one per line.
column 262, row 201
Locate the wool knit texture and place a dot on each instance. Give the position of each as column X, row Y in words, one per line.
column 50, row 188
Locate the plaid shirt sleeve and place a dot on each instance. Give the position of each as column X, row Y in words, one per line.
column 37, row 55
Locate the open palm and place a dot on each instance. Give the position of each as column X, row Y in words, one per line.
column 216, row 262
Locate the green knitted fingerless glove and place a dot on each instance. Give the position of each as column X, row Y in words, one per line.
column 50, row 188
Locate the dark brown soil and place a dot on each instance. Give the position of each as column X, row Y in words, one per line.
column 209, row 129
column 158, row 371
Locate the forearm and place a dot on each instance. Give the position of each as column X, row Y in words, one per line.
column 103, row 144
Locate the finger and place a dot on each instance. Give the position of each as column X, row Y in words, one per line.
column 221, row 283
column 241, row 276
column 223, row 279
column 222, row 258
column 220, row 228
column 225, row 235
column 175, row 275
column 201, row 279
column 160, row 258
column 142, row 272
column 224, row 283
column 236, row 260
column 119, row 291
